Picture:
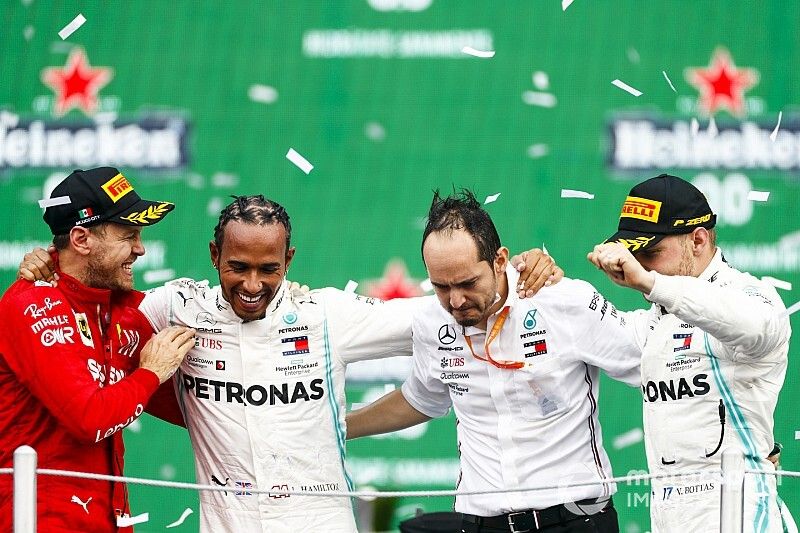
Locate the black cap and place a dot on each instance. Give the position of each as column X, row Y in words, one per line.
column 100, row 195
column 661, row 206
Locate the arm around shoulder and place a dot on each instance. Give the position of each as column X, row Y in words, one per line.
column 390, row 413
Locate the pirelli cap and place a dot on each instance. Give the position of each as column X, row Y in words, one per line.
column 89, row 197
column 661, row 206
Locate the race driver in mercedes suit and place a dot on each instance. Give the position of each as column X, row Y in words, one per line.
column 262, row 392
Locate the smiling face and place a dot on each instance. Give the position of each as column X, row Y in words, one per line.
column 465, row 285
column 114, row 249
column 252, row 263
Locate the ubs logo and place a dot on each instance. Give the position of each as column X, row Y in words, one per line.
column 447, row 334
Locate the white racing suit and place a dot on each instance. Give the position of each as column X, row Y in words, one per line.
column 713, row 364
column 264, row 401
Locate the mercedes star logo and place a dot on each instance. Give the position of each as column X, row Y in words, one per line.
column 205, row 318
column 447, row 334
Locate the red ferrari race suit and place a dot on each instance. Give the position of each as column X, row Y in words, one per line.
column 70, row 382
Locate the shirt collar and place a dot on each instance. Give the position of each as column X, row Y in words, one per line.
column 714, row 267
column 513, row 278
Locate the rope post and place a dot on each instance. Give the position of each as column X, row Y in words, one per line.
column 25, row 490
column 732, row 499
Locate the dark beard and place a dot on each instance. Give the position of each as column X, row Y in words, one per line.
column 100, row 277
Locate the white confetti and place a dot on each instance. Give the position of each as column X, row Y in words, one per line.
column 695, row 127
column 492, row 198
column 51, row 202
column 792, row 309
column 633, row 55
column 167, row 471
column 28, row 32
column 180, row 520
column 540, row 99
column 128, row 521
column 158, row 276
column 774, row 134
column 797, row 435
column 712, row 128
column 565, row 4
column 758, row 196
column 264, row 94
column 70, row 28
column 544, row 249
column 426, row 285
column 477, row 53
column 135, row 426
column 214, row 206
column 570, row 193
column 627, row 88
column 541, row 80
column 300, row 161
column 224, row 179
column 777, row 283
column 664, row 72
column 351, row 286
column 629, row 438
column 535, row 151
column 374, row 131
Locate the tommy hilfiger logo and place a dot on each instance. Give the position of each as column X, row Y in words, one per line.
column 298, row 345
column 685, row 341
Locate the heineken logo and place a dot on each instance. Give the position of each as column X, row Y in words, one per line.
column 74, row 126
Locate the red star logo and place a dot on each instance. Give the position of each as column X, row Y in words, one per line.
column 77, row 83
column 722, row 84
column 395, row 283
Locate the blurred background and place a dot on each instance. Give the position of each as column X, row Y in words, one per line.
column 196, row 101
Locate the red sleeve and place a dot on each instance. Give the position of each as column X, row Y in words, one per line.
column 56, row 367
column 164, row 405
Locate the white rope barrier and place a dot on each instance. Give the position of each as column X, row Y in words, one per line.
column 386, row 494
column 362, row 494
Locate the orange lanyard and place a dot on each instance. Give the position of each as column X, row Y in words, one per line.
column 498, row 325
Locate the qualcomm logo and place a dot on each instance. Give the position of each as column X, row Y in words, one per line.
column 400, row 5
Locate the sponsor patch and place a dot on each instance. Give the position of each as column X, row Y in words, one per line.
column 297, row 345
column 116, row 188
column 684, row 341
column 539, row 348
column 641, row 208
column 83, row 329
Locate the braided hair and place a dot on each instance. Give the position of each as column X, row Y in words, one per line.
column 253, row 209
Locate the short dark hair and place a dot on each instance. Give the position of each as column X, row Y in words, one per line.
column 254, row 209
column 62, row 241
column 462, row 211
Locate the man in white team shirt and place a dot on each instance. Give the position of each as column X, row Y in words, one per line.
column 713, row 363
column 262, row 392
column 521, row 375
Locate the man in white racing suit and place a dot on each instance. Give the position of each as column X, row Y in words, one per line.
column 262, row 392
column 714, row 356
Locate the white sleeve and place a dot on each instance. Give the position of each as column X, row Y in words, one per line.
column 744, row 319
column 368, row 328
column 423, row 389
column 156, row 306
column 605, row 337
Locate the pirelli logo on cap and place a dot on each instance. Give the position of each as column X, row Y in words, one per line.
column 117, row 187
column 641, row 208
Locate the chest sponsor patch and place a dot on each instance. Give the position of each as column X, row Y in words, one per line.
column 538, row 346
column 84, row 330
column 683, row 341
column 296, row 345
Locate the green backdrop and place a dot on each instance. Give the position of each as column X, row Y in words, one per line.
column 199, row 100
